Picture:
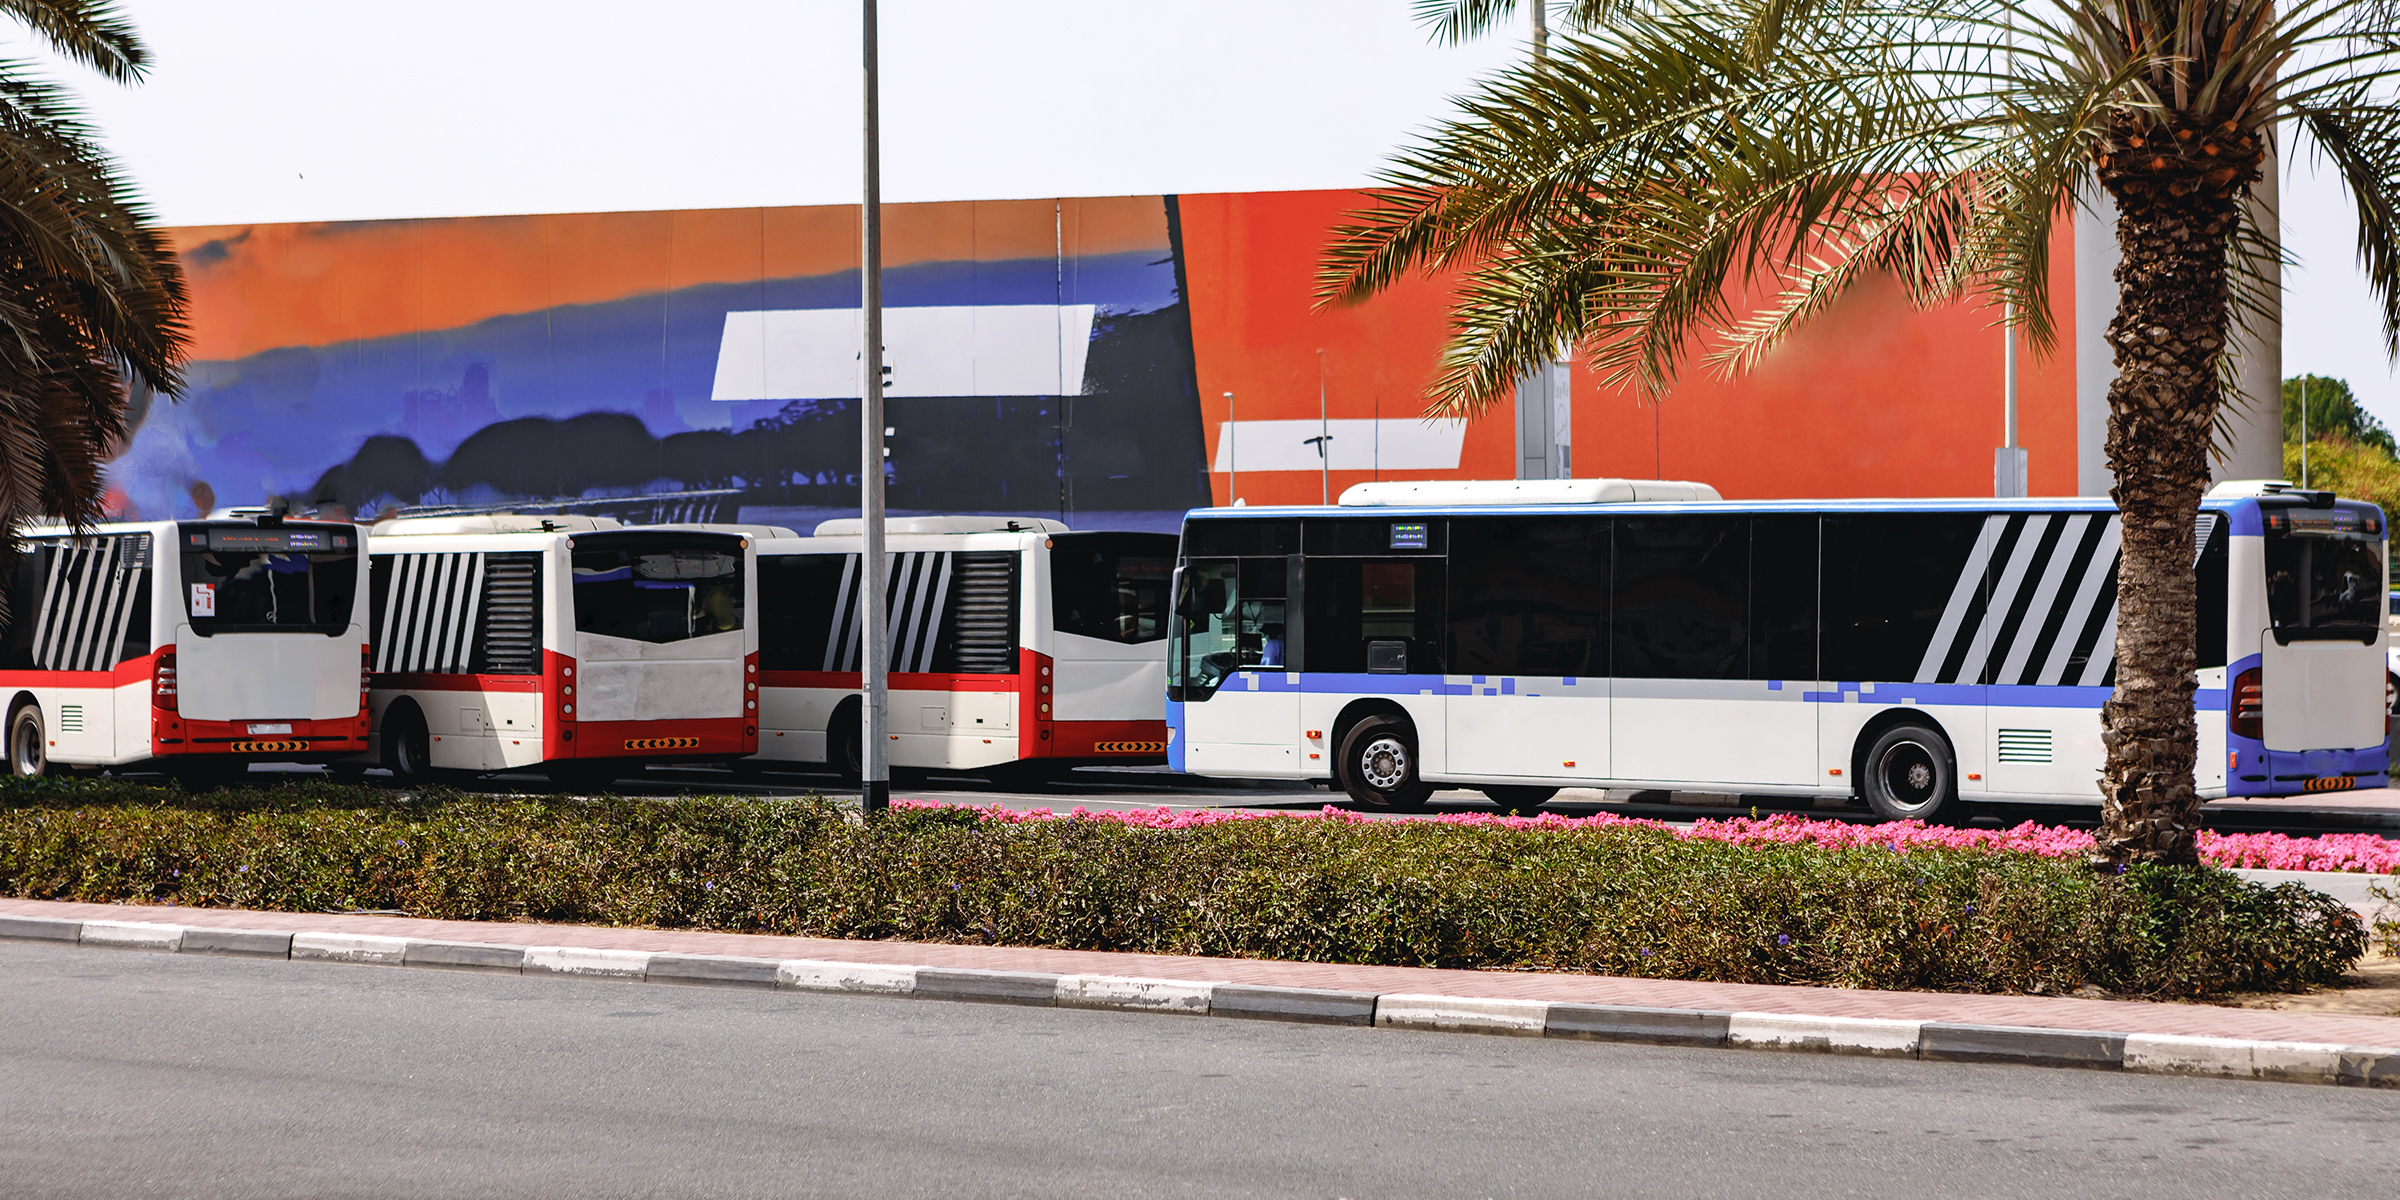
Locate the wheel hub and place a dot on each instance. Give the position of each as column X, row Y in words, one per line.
column 1384, row 764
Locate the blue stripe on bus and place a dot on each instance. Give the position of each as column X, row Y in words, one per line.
column 1868, row 692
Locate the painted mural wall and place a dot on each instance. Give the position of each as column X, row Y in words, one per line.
column 1067, row 358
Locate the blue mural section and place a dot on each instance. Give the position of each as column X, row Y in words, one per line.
column 613, row 400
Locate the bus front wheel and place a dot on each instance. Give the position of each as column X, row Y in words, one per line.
column 1378, row 766
column 28, row 742
column 1910, row 775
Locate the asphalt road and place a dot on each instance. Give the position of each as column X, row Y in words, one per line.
column 124, row 1074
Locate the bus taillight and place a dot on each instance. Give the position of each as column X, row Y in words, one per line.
column 162, row 681
column 2246, row 716
column 366, row 674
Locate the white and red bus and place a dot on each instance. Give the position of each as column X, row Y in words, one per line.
column 571, row 644
column 1017, row 645
column 197, row 647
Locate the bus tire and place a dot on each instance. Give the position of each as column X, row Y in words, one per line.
column 28, row 742
column 1521, row 799
column 842, row 749
column 1378, row 766
column 407, row 744
column 1910, row 774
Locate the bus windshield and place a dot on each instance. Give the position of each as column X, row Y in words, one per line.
column 2325, row 572
column 657, row 587
column 275, row 579
column 1111, row 586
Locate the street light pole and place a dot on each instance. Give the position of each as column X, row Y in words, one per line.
column 874, row 713
column 1233, row 454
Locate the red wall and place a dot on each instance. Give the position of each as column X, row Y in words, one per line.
column 1871, row 399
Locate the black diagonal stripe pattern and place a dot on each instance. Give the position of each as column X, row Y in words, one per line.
column 2035, row 604
column 429, row 613
column 933, row 599
column 89, row 587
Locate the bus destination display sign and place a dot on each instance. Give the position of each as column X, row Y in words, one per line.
column 1409, row 536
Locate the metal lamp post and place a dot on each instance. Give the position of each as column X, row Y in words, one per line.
column 874, row 716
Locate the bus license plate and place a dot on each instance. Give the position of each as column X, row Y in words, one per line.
column 271, row 727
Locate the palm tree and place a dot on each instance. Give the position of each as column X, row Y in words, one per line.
column 92, row 297
column 1680, row 153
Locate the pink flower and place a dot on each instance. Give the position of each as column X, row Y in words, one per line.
column 2357, row 852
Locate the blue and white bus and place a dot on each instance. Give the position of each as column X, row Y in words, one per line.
column 1522, row 637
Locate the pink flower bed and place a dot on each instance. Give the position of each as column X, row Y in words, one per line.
column 2362, row 852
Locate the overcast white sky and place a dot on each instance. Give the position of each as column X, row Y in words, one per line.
column 281, row 110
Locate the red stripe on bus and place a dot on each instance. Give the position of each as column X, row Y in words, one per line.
column 900, row 681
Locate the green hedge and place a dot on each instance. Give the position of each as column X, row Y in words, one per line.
column 1624, row 901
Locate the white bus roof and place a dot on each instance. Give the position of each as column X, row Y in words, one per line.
column 1448, row 492
column 857, row 526
column 491, row 523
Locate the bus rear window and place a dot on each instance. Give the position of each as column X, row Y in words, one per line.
column 649, row 587
column 2325, row 572
column 1111, row 586
column 248, row 579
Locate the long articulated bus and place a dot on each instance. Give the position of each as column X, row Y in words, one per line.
column 1017, row 645
column 1522, row 637
column 570, row 644
column 195, row 647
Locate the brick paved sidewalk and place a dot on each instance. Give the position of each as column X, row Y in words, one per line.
column 2031, row 1011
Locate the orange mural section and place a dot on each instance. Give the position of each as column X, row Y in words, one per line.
column 261, row 287
column 1251, row 261
column 1874, row 398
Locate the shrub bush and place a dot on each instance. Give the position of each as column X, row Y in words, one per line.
column 1624, row 899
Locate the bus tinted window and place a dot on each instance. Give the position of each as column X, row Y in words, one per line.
column 1528, row 596
column 1783, row 597
column 1111, row 586
column 798, row 592
column 657, row 587
column 1378, row 616
column 1238, row 538
column 1888, row 577
column 1682, row 598
column 2324, row 572
column 267, row 580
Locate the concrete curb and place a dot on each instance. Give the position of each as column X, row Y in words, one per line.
column 2296, row 1062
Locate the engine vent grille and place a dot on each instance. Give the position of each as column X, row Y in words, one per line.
column 984, row 593
column 510, row 641
column 2024, row 745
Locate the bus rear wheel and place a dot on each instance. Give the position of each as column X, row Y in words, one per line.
column 28, row 742
column 1378, row 766
column 407, row 745
column 842, row 749
column 1521, row 799
column 1911, row 774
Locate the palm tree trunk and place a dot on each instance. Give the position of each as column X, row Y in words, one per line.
column 2177, row 212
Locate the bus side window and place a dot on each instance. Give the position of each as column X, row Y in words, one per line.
column 1383, row 616
column 1528, row 596
column 1681, row 608
column 1783, row 598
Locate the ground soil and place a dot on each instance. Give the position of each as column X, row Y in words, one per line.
column 2371, row 990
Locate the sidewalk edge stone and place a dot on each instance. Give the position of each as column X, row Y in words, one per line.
column 1627, row 1023
column 1264, row 1002
column 240, row 943
column 40, row 929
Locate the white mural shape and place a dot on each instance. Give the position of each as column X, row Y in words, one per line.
column 933, row 350
column 1389, row 444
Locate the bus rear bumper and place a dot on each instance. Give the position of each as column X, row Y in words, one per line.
column 704, row 739
column 2255, row 770
column 324, row 740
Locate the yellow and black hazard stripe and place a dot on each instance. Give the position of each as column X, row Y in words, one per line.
column 2331, row 783
column 681, row 743
column 265, row 747
column 1129, row 747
